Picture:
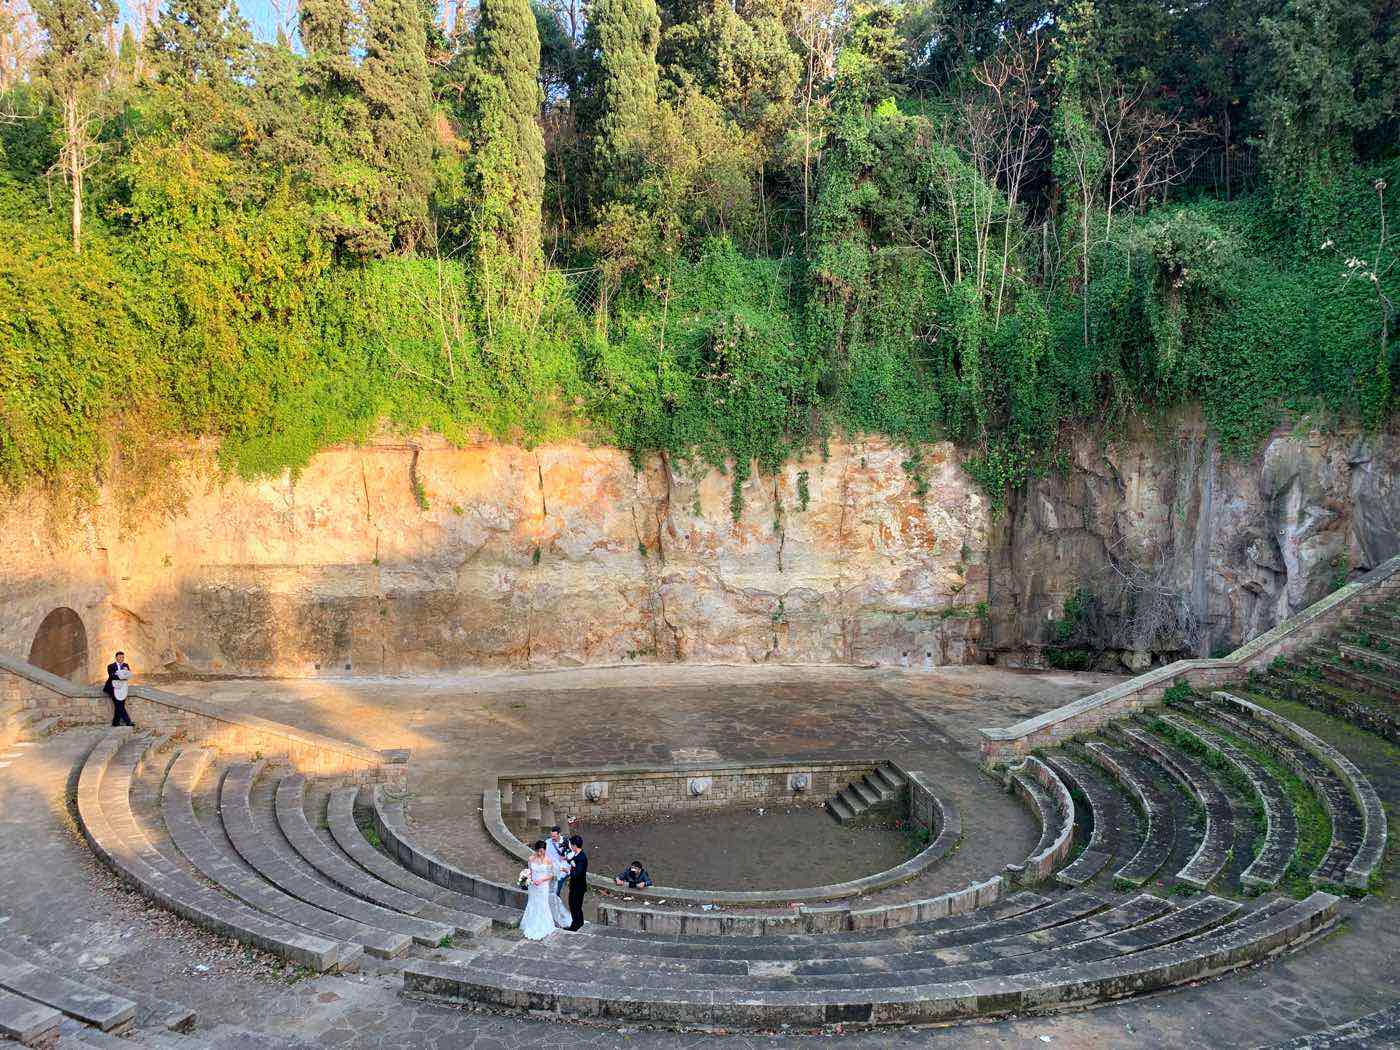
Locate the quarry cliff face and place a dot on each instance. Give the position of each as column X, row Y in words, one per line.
column 402, row 557
column 393, row 558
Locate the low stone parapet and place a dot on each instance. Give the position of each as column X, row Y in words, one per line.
column 199, row 722
column 1090, row 713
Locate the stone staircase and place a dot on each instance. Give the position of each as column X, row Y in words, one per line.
column 877, row 790
column 1353, row 674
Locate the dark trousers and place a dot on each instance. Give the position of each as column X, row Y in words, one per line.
column 576, row 904
column 119, row 715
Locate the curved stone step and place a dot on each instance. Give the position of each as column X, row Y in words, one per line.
column 392, row 831
column 27, row 1022
column 1098, row 849
column 468, row 915
column 1002, row 955
column 856, row 945
column 88, row 1005
column 678, row 933
column 1159, row 824
column 151, row 1010
column 268, row 859
column 231, row 874
column 1042, row 787
column 1267, row 868
column 104, row 814
column 1143, row 972
column 1369, row 853
column 1213, row 853
column 291, row 818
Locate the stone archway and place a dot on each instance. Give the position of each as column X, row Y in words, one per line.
column 61, row 646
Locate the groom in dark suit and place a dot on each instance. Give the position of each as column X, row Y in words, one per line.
column 578, row 882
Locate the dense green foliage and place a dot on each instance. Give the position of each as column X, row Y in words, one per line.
column 764, row 222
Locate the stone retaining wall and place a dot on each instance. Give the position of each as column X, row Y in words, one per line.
column 626, row 791
column 199, row 723
column 1088, row 714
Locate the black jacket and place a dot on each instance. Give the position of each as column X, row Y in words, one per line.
column 578, row 878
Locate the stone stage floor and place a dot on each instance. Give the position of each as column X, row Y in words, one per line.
column 62, row 901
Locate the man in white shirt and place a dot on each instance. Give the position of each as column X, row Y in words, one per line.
column 118, row 674
column 557, row 851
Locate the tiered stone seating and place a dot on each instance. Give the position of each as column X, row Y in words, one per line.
column 471, row 916
column 1354, row 675
column 274, row 861
column 392, row 829
column 1002, row 969
column 1213, row 851
column 335, row 867
column 104, row 810
column 1270, row 862
column 226, row 870
column 1098, row 848
column 1358, row 818
column 1159, row 824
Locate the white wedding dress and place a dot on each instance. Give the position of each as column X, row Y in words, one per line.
column 544, row 911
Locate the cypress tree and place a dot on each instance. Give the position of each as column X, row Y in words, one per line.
column 398, row 94
column 202, row 41
column 620, row 82
column 327, row 27
column 128, row 53
column 505, row 169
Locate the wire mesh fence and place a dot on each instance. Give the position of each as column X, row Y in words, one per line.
column 589, row 289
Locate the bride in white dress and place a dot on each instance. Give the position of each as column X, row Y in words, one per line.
column 544, row 911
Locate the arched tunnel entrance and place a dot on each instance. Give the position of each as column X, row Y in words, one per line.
column 61, row 646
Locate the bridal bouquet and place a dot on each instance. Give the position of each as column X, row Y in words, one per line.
column 523, row 879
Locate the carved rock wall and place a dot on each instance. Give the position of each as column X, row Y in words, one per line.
column 1243, row 542
column 566, row 555
column 561, row 555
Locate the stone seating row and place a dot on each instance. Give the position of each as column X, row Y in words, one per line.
column 1213, row 850
column 1098, row 845
column 1007, row 974
column 1266, row 869
column 1158, row 821
column 1042, row 789
column 391, row 826
column 108, row 824
column 1366, row 804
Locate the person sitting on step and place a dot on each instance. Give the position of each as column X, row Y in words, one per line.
column 635, row 877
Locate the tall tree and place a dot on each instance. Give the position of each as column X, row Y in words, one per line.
column 73, row 66
column 505, row 168
column 202, row 42
column 620, row 82
column 395, row 83
column 327, row 28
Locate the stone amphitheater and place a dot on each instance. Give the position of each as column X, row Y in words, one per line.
column 1200, row 854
